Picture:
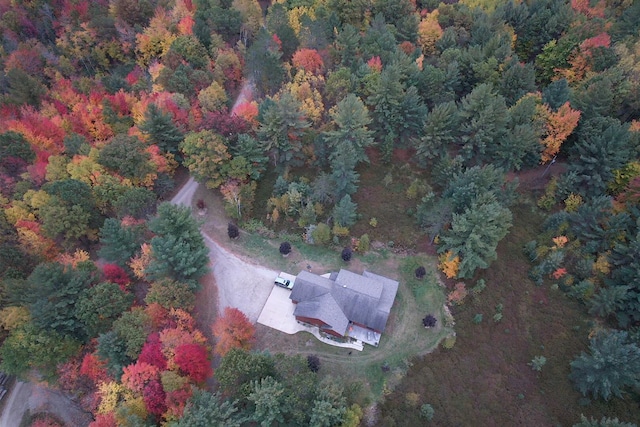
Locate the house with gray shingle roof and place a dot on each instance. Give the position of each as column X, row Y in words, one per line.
column 343, row 301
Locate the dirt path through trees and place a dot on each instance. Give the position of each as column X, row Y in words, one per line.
column 239, row 284
column 33, row 397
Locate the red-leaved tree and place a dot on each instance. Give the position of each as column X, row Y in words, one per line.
column 94, row 368
column 154, row 398
column 104, row 420
column 192, row 359
column 584, row 7
column 152, row 353
column 69, row 378
column 233, row 330
column 375, row 64
column 115, row 274
column 226, row 125
column 176, row 401
column 136, row 376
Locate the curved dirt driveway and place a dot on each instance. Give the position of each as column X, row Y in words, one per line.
column 36, row 398
column 240, row 284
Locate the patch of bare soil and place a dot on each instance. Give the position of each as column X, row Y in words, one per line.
column 206, row 310
column 536, row 179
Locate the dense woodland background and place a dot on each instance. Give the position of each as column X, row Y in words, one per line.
column 509, row 130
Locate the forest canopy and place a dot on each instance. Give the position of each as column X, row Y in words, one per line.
column 103, row 101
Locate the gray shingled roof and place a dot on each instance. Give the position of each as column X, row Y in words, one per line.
column 324, row 308
column 359, row 283
column 308, row 286
column 365, row 299
column 389, row 290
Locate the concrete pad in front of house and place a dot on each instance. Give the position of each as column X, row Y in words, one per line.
column 278, row 312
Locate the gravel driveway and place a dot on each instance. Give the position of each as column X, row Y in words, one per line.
column 39, row 398
column 240, row 284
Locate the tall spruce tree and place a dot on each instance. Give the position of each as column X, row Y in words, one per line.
column 344, row 212
column 610, row 368
column 484, row 116
column 351, row 119
column 161, row 130
column 439, row 132
column 282, row 126
column 119, row 243
column 178, row 248
column 475, row 234
column 603, row 146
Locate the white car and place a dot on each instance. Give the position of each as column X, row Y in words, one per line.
column 284, row 283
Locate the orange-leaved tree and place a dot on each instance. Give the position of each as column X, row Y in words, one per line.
column 137, row 375
column 308, row 59
column 233, row 330
column 558, row 127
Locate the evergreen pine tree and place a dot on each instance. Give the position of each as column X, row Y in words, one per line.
column 612, row 365
column 439, row 132
column 474, row 236
column 178, row 248
column 603, row 146
column 119, row 243
column 161, row 130
column 483, row 115
column 344, row 212
column 351, row 119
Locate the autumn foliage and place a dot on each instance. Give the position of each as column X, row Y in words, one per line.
column 115, row 274
column 154, row 398
column 193, row 360
column 139, row 263
column 94, row 368
column 558, row 127
column 581, row 60
column 558, row 273
column 151, row 353
column 233, row 330
column 309, row 60
column 458, row 294
column 449, row 264
column 248, row 111
column 136, row 376
column 585, row 7
column 104, row 420
column 375, row 64
column 429, row 32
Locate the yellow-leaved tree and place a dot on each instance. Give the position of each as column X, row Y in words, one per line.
column 449, row 264
column 429, row 32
